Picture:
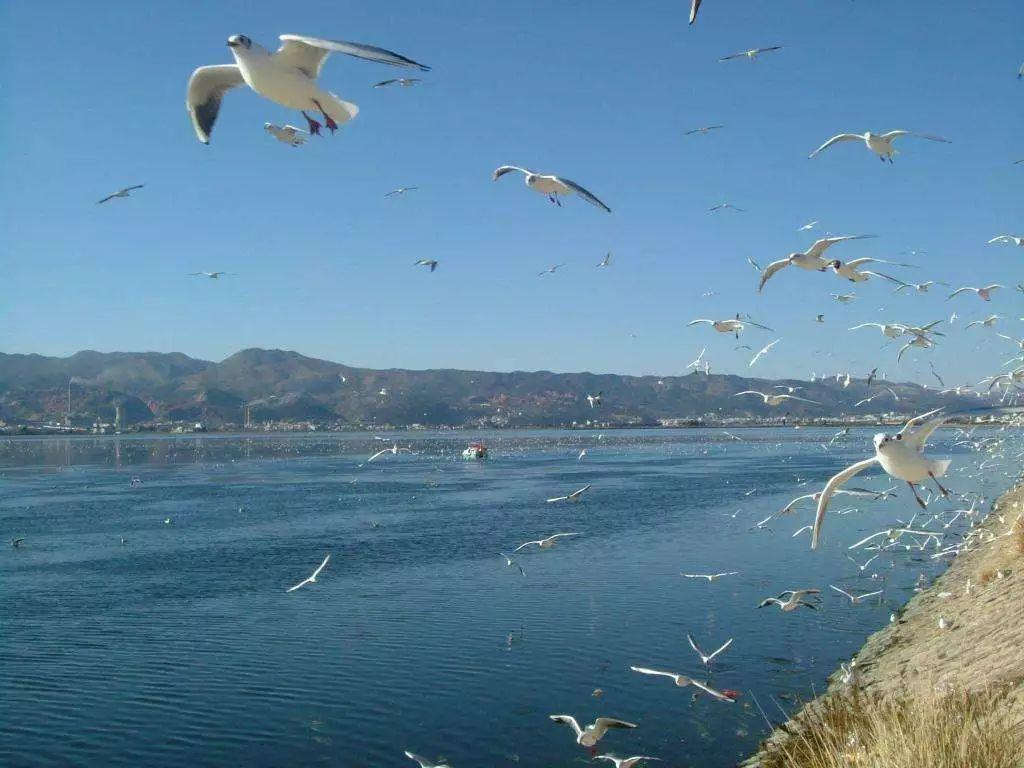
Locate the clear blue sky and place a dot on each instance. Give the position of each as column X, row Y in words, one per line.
column 93, row 100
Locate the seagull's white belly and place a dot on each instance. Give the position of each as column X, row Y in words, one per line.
column 807, row 262
column 548, row 186
column 286, row 86
column 878, row 145
column 906, row 465
column 727, row 326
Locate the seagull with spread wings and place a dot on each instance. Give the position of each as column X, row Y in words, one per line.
column 775, row 399
column 289, row 134
column 706, row 658
column 762, row 352
column 547, row 543
column 682, row 681
column 855, row 599
column 573, row 497
column 126, row 192
column 879, row 143
column 287, row 77
column 985, row 293
column 751, row 54
column 589, row 735
column 732, row 325
column 812, row 259
column 403, row 81
column 551, row 185
column 311, row 579
column 210, row 275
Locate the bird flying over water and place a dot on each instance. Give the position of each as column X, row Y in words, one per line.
column 761, row 352
column 547, row 543
column 706, row 658
column 855, row 599
column 311, row 579
column 287, row 77
column 593, row 733
column 424, row 762
column 1017, row 240
column 683, row 681
column 775, row 399
column 573, row 497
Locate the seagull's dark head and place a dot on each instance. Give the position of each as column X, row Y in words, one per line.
column 239, row 41
column 883, row 441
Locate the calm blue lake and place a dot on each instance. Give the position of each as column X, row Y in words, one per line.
column 181, row 646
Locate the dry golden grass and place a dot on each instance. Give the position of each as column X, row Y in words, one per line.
column 1018, row 537
column 961, row 730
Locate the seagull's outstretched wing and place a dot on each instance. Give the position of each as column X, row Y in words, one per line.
column 836, row 140
column 770, row 270
column 206, row 88
column 602, row 724
column 696, row 648
column 583, row 192
column 958, row 291
column 830, row 488
column 822, row 245
column 694, row 7
column 308, row 53
column 321, row 566
column 842, row 592
column 503, row 169
column 712, row 692
column 656, row 672
column 568, row 720
column 896, row 134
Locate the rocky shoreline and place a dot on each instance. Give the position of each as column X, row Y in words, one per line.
column 977, row 646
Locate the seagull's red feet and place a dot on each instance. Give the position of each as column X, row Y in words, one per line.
column 314, row 126
column 331, row 125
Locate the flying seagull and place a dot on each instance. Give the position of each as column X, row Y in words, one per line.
column 126, row 192
column 431, row 263
column 774, row 399
column 424, row 763
column 855, row 599
column 725, row 206
column 607, row 260
column 983, row 293
column 792, row 602
column 311, row 579
column 761, row 352
column 593, row 733
column 879, row 143
column 694, row 7
column 629, row 762
column 733, row 325
column 595, row 400
column 550, row 270
column 1017, row 240
column 750, row 55
column 573, row 497
column 289, row 134
column 811, row 259
column 706, row 658
column 682, row 681
column 211, row 275
column 547, row 543
column 702, row 129
column 399, row 191
column 551, row 185
column 852, row 272
column 403, row 81
column 709, row 576
column 287, row 77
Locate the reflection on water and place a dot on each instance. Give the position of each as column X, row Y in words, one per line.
column 180, row 645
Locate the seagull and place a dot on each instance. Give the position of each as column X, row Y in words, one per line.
column 399, row 191
column 865, row 564
column 551, row 185
column 850, row 270
column 811, row 259
column 724, row 206
column 683, row 681
column 1017, row 240
column 550, row 270
column 594, row 399
column 706, row 658
column 856, row 599
column 808, row 226
column 582, row 454
column 734, row 326
column 984, row 293
column 838, row 435
column 775, row 399
column 754, row 265
column 394, row 450
column 901, row 456
column 819, row 319
column 891, row 330
column 424, row 763
column 403, row 81
column 761, row 352
column 606, row 261
column 289, row 134
column 697, row 360
column 752, row 54
column 709, row 576
column 211, row 275
column 593, row 733
column 843, row 298
column 126, row 192
column 17, row 542
column 312, row 578
column 547, row 543
column 629, row 762
column 792, row 602
column 573, row 497
column 694, row 7
column 510, row 563
column 702, row 129
column 879, row 143
column 988, row 322
column 287, row 77
column 431, row 263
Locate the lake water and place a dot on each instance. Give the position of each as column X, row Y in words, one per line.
column 182, row 647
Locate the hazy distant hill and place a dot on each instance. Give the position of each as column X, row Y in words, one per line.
column 286, row 385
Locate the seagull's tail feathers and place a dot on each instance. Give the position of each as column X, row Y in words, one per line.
column 939, row 467
column 342, row 111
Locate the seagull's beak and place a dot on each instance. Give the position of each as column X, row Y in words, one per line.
column 233, row 41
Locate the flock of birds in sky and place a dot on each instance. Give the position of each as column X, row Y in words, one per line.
column 289, row 77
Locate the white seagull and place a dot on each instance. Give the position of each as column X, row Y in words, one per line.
column 855, row 599
column 287, row 77
column 775, row 399
column 593, row 733
column 852, row 272
column 403, row 81
column 430, row 263
column 573, row 497
column 510, row 563
column 629, row 762
column 400, row 191
column 879, row 143
column 706, row 658
column 988, row 322
column 725, row 206
column 550, row 270
column 984, row 293
column 761, row 352
column 424, row 762
column 551, row 185
column 750, row 55
column 311, row 579
column 702, row 129
column 126, row 192
column 210, row 275
column 792, row 602
column 734, row 326
column 289, row 134
column 594, row 400
column 694, row 7
column 1017, row 240
column 901, row 456
column 811, row 259
column 547, row 543
column 808, row 226
column 606, row 261
column 394, row 450
column 709, row 576
column 682, row 681
column 891, row 330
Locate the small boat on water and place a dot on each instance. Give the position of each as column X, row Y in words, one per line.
column 475, row 451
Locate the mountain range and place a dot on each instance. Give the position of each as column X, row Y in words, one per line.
column 287, row 386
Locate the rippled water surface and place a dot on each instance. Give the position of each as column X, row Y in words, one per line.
column 181, row 646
